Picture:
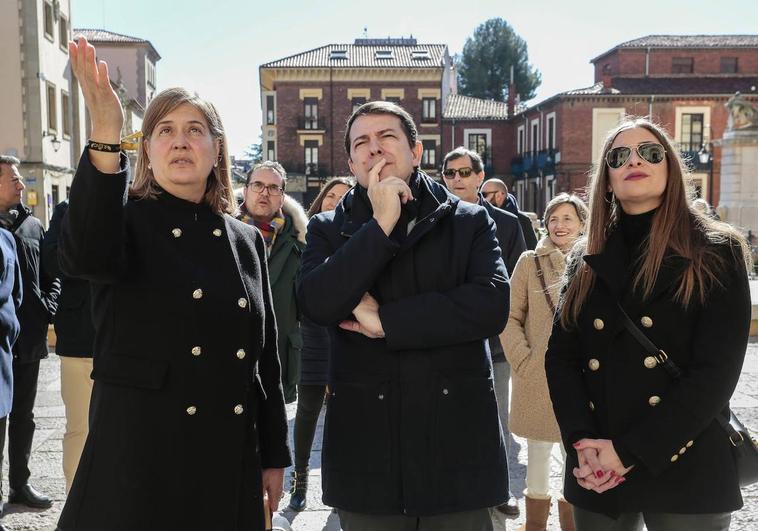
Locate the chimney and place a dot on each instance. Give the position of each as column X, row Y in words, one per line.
column 511, row 95
column 606, row 76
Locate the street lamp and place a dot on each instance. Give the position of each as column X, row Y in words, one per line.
column 55, row 142
column 706, row 158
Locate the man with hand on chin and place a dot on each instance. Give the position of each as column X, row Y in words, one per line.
column 410, row 282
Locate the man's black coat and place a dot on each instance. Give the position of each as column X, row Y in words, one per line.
column 74, row 331
column 41, row 289
column 411, row 423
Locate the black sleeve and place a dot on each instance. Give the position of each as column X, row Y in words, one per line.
column 49, row 284
column 272, row 416
column 50, row 242
column 513, row 243
column 353, row 267
column 93, row 234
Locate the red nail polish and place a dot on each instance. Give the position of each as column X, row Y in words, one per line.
column 575, row 445
column 612, row 474
column 599, row 473
column 621, row 479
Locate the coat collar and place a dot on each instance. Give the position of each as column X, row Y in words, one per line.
column 547, row 249
column 436, row 202
column 612, row 265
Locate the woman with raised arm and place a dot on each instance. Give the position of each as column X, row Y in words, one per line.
column 187, row 411
column 643, row 422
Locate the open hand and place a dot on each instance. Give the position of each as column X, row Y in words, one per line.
column 273, row 481
column 101, row 100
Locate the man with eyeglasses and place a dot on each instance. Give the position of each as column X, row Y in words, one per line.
column 409, row 281
column 282, row 222
column 495, row 191
column 463, row 172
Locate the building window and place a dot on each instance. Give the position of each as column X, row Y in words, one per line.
column 535, row 135
column 682, row 65
column 429, row 110
column 310, row 112
column 150, row 67
column 692, row 132
column 65, row 114
column 357, row 102
column 48, row 21
column 429, row 154
column 520, row 140
column 728, row 65
column 393, row 99
column 311, row 157
column 56, row 190
column 63, row 34
column 551, row 132
column 270, row 150
column 270, row 110
column 478, row 142
column 385, row 54
column 52, row 110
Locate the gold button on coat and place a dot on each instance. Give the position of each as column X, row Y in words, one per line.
column 654, row 400
column 242, row 303
column 682, row 450
column 592, row 406
column 241, row 353
column 598, row 324
column 197, row 294
column 176, row 232
column 689, row 444
column 238, row 409
column 217, row 232
column 191, row 410
column 674, row 458
column 646, row 321
column 651, row 362
column 196, row 351
column 594, row 364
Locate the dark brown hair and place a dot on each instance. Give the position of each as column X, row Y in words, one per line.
column 319, row 201
column 676, row 226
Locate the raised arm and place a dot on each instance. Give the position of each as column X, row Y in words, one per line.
column 93, row 235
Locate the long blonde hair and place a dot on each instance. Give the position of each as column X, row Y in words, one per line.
column 218, row 192
column 676, row 226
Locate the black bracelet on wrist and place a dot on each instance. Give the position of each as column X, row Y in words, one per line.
column 107, row 148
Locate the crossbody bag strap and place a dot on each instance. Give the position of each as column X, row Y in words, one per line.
column 672, row 368
column 541, row 276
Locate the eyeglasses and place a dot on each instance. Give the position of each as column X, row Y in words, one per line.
column 258, row 187
column 650, row 152
column 463, row 172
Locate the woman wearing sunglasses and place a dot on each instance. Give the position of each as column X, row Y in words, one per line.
column 648, row 448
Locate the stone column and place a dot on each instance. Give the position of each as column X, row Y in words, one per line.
column 738, row 204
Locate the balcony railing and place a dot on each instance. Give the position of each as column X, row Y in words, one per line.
column 534, row 163
column 305, row 123
column 309, row 170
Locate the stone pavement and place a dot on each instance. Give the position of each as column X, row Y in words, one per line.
column 47, row 473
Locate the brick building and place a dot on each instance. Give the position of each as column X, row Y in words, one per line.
column 682, row 82
column 307, row 98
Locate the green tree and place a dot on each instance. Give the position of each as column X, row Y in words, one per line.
column 255, row 151
column 484, row 69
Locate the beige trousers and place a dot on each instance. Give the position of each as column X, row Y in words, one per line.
column 76, row 390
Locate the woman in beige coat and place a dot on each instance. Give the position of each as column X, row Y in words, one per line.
column 534, row 294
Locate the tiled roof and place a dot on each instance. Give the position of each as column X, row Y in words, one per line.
column 597, row 88
column 465, row 107
column 687, row 41
column 364, row 56
column 687, row 85
column 104, row 36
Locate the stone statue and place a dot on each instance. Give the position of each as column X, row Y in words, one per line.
column 742, row 114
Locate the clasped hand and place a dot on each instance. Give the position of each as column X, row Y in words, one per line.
column 366, row 320
column 600, row 468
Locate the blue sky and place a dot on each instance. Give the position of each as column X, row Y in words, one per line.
column 215, row 47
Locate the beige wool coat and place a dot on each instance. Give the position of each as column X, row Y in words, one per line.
column 525, row 341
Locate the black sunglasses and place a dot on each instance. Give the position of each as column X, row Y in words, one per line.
column 650, row 152
column 463, row 172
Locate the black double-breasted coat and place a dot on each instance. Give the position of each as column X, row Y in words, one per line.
column 411, row 422
column 187, row 405
column 604, row 385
